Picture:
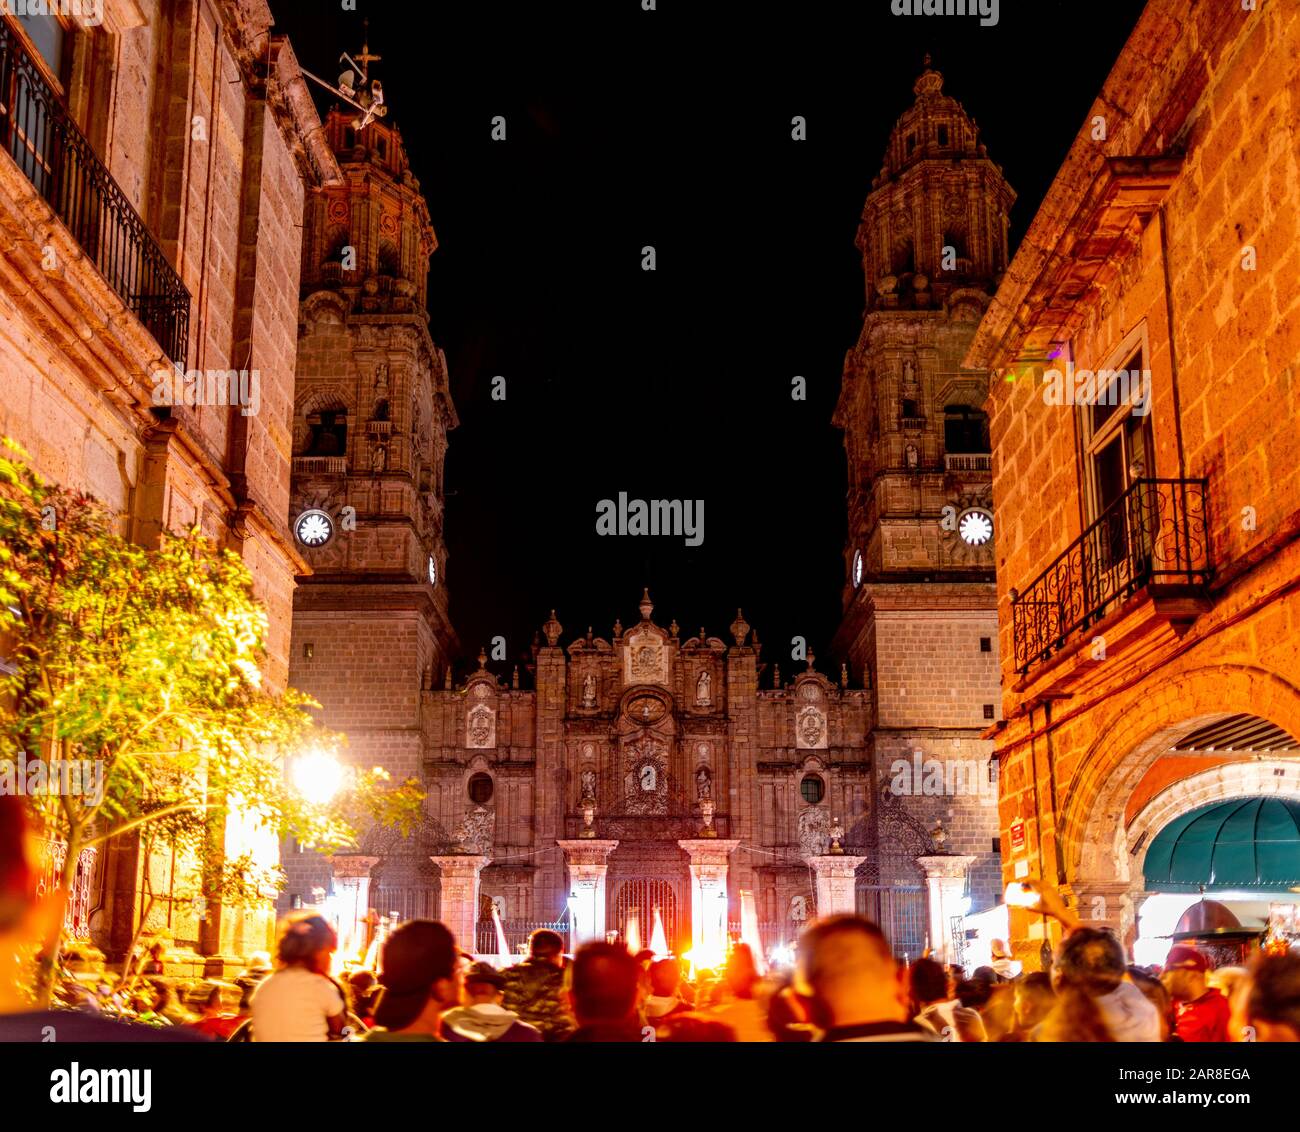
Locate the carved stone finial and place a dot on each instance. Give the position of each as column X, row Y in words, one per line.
column 482, row 659
column 588, row 634
column 704, row 640
column 514, row 679
column 776, row 676
column 646, row 606
column 739, row 629
column 552, row 628
column 618, row 627
column 844, row 675
column 811, row 657
column 446, row 680
column 674, row 628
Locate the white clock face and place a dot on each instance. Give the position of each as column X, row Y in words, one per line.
column 314, row 528
column 857, row 568
column 975, row 527
column 433, row 571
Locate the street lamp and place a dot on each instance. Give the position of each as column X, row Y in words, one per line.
column 317, row 776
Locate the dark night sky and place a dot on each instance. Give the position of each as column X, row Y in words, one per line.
column 628, row 128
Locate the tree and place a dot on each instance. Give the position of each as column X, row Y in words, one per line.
column 135, row 694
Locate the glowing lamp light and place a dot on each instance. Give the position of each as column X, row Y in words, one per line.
column 633, row 932
column 318, row 777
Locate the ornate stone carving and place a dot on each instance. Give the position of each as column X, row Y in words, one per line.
column 814, row 831
column 475, row 833
column 589, row 690
column 703, row 689
column 645, row 785
column 588, row 783
column 810, row 728
column 645, row 658
column 480, row 727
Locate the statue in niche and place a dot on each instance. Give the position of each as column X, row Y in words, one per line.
column 909, row 376
column 588, row 783
column 589, row 690
column 702, row 689
column 912, row 456
column 379, row 458
column 798, row 909
column 648, row 778
column 703, row 783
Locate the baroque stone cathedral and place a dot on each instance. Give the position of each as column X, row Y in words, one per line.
column 653, row 771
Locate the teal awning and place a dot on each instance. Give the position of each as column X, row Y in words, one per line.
column 1248, row 843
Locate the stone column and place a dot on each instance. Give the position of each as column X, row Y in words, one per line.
column 587, row 862
column 836, row 885
column 459, row 905
column 1106, row 904
column 352, row 900
column 945, row 881
column 708, row 898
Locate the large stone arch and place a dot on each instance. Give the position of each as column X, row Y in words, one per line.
column 1135, row 734
column 1249, row 779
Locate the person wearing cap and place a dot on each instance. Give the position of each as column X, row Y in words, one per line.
column 420, row 976
column 483, row 1018
column 1200, row 1011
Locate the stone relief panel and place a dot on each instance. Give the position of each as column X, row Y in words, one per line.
column 480, row 720
column 810, row 731
column 814, row 831
column 645, row 780
column 476, row 831
column 645, row 658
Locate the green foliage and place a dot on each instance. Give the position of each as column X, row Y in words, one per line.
column 149, row 662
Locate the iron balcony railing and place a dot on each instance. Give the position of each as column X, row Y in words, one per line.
column 37, row 132
column 1155, row 534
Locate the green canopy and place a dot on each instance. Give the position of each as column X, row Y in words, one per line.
column 1248, row 843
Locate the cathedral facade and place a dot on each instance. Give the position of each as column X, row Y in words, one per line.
column 649, row 774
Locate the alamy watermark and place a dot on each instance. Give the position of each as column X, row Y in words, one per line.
column 1100, row 387
column 679, row 518
column 64, row 778
column 932, row 778
column 234, row 387
column 88, row 13
column 987, row 10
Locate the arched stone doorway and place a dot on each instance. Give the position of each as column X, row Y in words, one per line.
column 1101, row 838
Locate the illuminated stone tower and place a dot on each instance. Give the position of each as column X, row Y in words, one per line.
column 371, row 630
column 920, row 626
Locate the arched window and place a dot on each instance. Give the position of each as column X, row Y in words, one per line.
column 328, row 433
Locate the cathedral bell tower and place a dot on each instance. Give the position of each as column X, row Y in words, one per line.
column 920, row 621
column 373, row 409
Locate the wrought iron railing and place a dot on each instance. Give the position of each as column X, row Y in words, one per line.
column 37, row 132
column 1156, row 533
column 516, row 932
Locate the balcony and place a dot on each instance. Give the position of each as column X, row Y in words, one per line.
column 54, row 155
column 320, row 465
column 1155, row 535
column 967, row 462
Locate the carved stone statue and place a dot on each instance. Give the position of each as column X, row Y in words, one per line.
column 588, row 817
column 589, row 690
column 798, row 909
column 588, row 783
column 379, row 458
column 702, row 689
column 703, row 783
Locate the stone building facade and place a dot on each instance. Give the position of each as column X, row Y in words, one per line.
column 1147, row 526
column 151, row 184
column 651, row 770
column 920, row 620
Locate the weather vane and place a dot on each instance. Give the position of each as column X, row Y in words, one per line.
column 369, row 99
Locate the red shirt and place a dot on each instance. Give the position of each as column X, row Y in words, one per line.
column 1204, row 1019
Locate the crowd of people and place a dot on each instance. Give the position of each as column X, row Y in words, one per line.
column 846, row 986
